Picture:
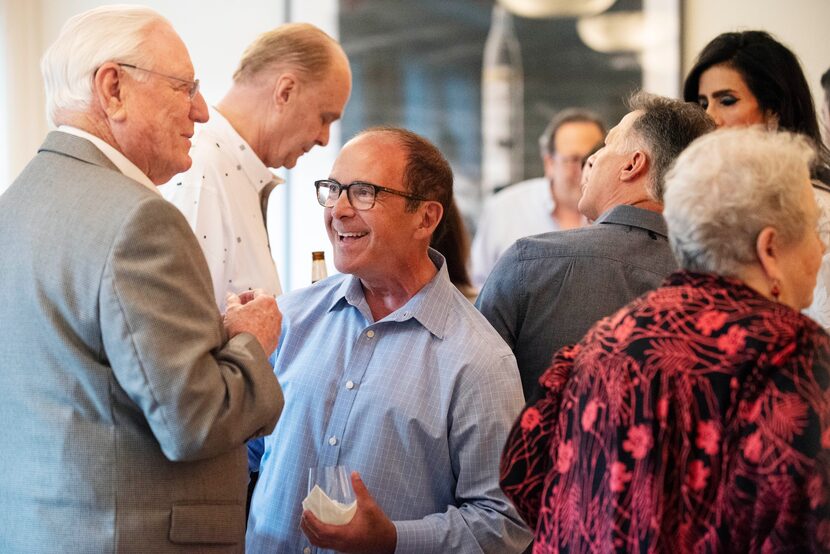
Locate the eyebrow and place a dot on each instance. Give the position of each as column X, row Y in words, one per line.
column 721, row 93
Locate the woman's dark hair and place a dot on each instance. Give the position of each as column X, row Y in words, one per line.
column 451, row 240
column 774, row 76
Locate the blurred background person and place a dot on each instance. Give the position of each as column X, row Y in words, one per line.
column 452, row 240
column 695, row 418
column 543, row 204
column 749, row 78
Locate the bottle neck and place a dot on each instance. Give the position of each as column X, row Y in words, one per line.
column 318, row 269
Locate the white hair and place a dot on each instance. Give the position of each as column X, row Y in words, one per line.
column 726, row 188
column 86, row 41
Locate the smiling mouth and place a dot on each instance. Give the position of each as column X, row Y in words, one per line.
column 350, row 236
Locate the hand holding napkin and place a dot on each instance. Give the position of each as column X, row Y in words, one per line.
column 328, row 510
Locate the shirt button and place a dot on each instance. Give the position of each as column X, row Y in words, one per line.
column 307, row 550
column 332, row 440
column 370, row 333
column 350, row 384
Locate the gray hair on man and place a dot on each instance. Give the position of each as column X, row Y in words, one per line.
column 726, row 188
column 665, row 128
column 87, row 41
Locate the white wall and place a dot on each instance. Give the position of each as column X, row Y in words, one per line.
column 22, row 112
column 802, row 25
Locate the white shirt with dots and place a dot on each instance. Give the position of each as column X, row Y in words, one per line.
column 220, row 197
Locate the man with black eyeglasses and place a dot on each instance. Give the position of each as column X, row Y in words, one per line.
column 389, row 371
column 543, row 204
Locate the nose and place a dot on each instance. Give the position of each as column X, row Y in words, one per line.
column 323, row 137
column 586, row 169
column 198, row 109
column 589, row 163
column 714, row 114
column 342, row 206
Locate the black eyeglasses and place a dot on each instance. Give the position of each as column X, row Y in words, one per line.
column 193, row 86
column 361, row 195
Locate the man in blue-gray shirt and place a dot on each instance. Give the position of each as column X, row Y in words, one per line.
column 387, row 369
column 546, row 291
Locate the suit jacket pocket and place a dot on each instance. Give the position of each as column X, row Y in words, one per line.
column 207, row 524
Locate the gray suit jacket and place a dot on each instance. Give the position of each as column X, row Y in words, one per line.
column 123, row 407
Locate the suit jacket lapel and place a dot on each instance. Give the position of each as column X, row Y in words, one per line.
column 81, row 149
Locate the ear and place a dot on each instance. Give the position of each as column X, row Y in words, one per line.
column 431, row 213
column 635, row 167
column 285, row 90
column 767, row 248
column 547, row 162
column 108, row 91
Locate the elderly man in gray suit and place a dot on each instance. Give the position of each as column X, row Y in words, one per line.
column 125, row 402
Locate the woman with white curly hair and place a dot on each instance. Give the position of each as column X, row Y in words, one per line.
column 697, row 418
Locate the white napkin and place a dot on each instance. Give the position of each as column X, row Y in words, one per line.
column 328, row 510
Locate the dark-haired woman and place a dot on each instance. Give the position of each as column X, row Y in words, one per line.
column 749, row 78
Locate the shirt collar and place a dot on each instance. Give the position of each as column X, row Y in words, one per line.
column 257, row 172
column 635, row 217
column 118, row 159
column 430, row 306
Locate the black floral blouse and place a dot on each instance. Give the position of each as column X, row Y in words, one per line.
column 695, row 419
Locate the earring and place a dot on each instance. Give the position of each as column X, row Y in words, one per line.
column 775, row 289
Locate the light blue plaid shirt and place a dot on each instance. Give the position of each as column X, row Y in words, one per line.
column 420, row 403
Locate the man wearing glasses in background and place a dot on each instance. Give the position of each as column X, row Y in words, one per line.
column 389, row 371
column 291, row 85
column 539, row 205
column 125, row 403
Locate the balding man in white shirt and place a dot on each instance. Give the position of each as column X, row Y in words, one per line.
column 291, row 85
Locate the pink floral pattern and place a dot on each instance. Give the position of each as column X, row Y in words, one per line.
column 564, row 457
column 704, row 427
column 638, row 442
column 589, row 416
column 530, row 419
column 710, row 322
column 624, row 330
column 708, row 437
column 698, row 475
column 753, row 447
column 619, row 477
column 733, row 341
